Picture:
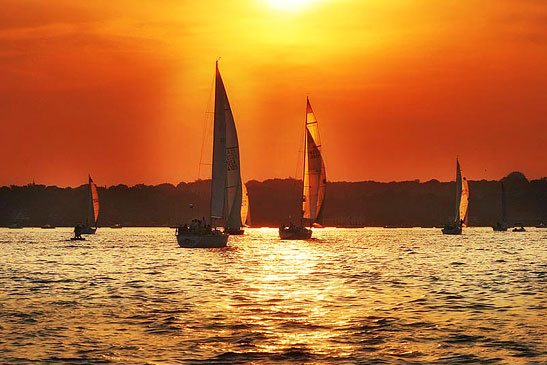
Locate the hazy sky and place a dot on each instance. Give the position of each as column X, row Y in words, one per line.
column 122, row 89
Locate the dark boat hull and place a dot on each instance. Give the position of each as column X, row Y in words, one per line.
column 77, row 239
column 295, row 234
column 235, row 232
column 88, row 230
column 453, row 230
column 202, row 240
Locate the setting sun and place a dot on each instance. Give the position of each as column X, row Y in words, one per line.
column 290, row 4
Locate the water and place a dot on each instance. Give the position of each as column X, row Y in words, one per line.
column 348, row 296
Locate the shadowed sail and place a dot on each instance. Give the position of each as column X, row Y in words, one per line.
column 315, row 178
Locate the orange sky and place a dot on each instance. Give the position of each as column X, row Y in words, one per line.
column 121, row 88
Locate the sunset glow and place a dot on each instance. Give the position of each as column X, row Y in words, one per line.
column 290, row 4
column 400, row 88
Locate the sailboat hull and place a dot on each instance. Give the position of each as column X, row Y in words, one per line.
column 452, row 230
column 500, row 228
column 88, row 230
column 235, row 231
column 202, row 241
column 292, row 234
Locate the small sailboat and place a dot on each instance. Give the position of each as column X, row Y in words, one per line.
column 462, row 203
column 314, row 183
column 47, row 226
column 90, row 226
column 226, row 185
column 502, row 226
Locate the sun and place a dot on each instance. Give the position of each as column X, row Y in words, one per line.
column 290, row 4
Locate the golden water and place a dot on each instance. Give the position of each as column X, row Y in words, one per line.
column 347, row 296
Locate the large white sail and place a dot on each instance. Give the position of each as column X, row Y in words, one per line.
column 218, row 176
column 315, row 178
column 93, row 205
column 226, row 190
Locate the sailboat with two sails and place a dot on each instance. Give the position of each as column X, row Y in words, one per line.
column 314, row 183
column 226, row 185
column 502, row 226
column 90, row 226
column 462, row 203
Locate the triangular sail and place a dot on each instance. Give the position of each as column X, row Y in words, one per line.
column 245, row 211
column 218, row 176
column 226, row 189
column 93, row 205
column 464, row 202
column 315, row 177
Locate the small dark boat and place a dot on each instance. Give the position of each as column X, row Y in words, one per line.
column 116, row 226
column 77, row 238
column 500, row 227
column 294, row 233
column 235, row 231
column 47, row 226
column 16, row 226
column 201, row 237
column 521, row 229
column 541, row 225
column 452, row 229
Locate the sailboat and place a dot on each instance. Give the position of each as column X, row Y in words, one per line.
column 226, row 186
column 92, row 209
column 462, row 202
column 502, row 226
column 314, row 182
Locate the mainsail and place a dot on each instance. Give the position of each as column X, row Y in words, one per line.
column 93, row 206
column 315, row 178
column 464, row 202
column 226, row 190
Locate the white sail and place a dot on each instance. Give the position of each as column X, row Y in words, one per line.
column 218, row 176
column 93, row 205
column 315, row 178
column 226, row 190
column 245, row 211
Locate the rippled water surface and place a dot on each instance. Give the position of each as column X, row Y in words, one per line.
column 347, row 296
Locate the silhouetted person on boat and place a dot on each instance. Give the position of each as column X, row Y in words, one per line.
column 78, row 231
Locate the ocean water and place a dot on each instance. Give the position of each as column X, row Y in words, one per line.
column 378, row 296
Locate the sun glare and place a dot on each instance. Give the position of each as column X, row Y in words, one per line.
column 290, row 4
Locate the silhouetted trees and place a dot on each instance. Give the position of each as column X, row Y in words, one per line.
column 276, row 201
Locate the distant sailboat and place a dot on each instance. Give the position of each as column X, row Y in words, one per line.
column 314, row 182
column 502, row 226
column 92, row 209
column 226, row 186
column 462, row 202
